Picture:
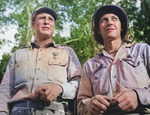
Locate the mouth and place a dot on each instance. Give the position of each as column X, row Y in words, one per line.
column 45, row 28
column 109, row 29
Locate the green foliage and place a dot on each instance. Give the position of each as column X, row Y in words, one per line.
column 2, row 42
column 80, row 13
column 4, row 20
column 3, row 64
column 130, row 8
column 141, row 24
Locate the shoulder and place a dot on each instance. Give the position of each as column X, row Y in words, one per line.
column 20, row 53
column 63, row 46
column 90, row 62
column 140, row 49
column 25, row 47
column 139, row 46
column 69, row 49
column 22, row 50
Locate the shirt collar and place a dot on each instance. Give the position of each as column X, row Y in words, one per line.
column 123, row 48
column 51, row 44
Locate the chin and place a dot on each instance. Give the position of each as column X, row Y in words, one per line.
column 110, row 37
column 45, row 34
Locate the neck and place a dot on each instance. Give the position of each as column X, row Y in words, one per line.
column 42, row 41
column 112, row 47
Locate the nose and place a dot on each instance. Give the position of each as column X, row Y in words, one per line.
column 46, row 21
column 110, row 22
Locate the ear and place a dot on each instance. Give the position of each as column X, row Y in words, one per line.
column 98, row 31
column 32, row 25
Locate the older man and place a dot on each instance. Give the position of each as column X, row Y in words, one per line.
column 37, row 75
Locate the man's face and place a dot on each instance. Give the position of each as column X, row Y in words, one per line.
column 44, row 25
column 110, row 27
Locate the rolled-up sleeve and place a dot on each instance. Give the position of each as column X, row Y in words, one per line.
column 85, row 94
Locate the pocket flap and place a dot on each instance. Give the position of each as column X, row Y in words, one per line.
column 134, row 61
column 58, row 61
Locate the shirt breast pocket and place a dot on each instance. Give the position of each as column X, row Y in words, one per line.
column 57, row 69
column 135, row 72
column 135, row 62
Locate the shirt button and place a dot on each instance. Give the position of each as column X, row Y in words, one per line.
column 40, row 49
column 115, row 76
column 37, row 78
column 38, row 68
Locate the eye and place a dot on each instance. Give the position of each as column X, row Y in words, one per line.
column 42, row 17
column 51, row 19
column 104, row 20
column 114, row 18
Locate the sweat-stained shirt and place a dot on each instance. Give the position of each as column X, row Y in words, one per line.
column 35, row 66
column 130, row 69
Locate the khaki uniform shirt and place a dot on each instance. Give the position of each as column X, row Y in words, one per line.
column 35, row 66
column 130, row 69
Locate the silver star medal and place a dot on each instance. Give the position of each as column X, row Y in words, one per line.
column 55, row 54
